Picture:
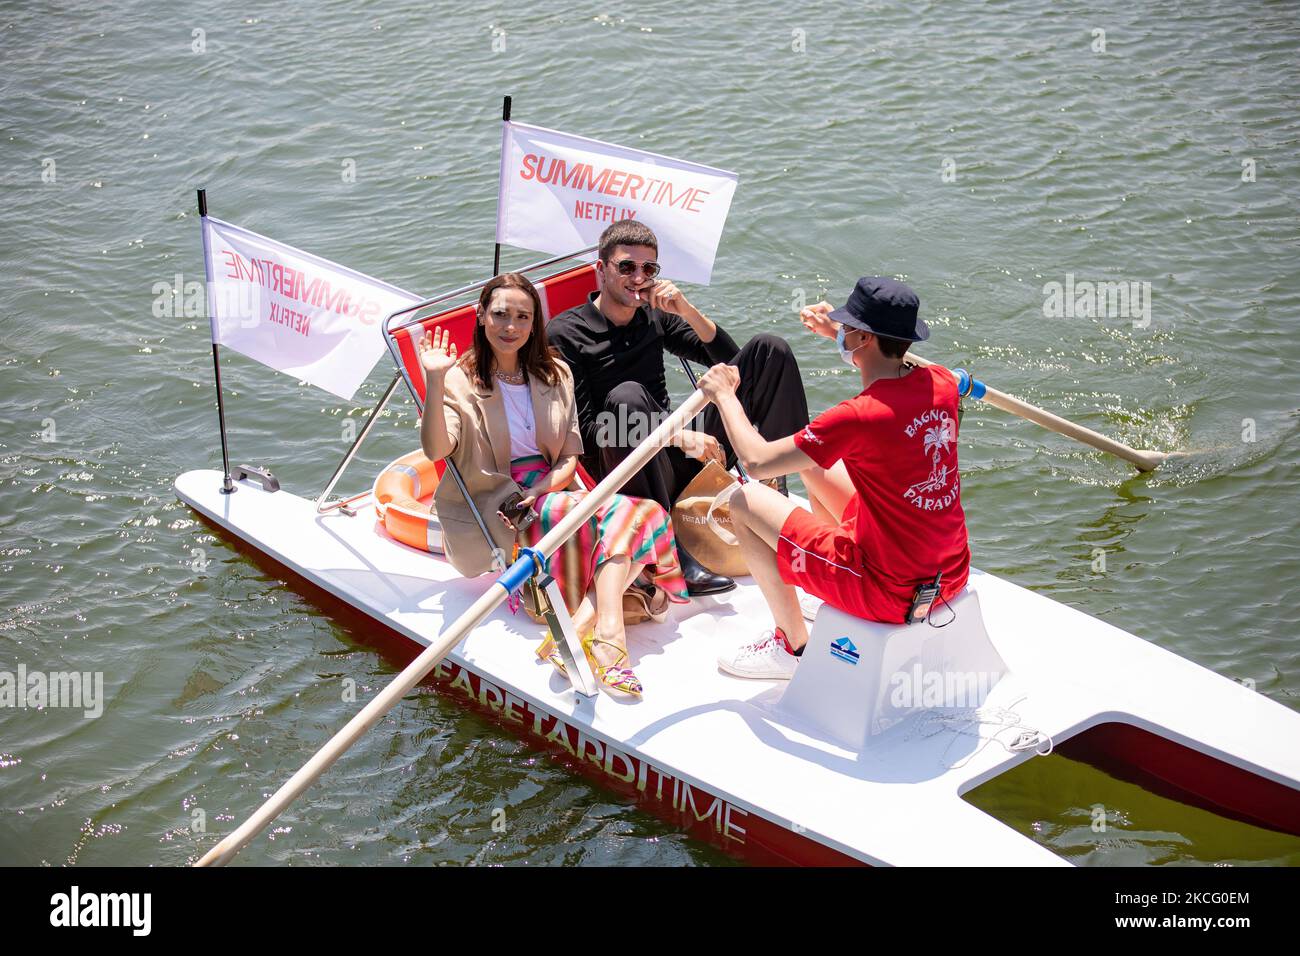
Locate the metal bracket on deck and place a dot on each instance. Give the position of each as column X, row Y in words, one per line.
column 264, row 477
column 566, row 638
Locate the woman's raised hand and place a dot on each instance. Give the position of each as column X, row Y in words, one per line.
column 436, row 351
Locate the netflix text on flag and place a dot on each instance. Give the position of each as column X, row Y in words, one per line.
column 558, row 192
column 293, row 311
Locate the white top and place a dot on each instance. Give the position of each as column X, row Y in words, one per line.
column 519, row 416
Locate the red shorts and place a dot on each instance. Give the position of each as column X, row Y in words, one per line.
column 825, row 560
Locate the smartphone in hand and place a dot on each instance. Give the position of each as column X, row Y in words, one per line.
column 515, row 513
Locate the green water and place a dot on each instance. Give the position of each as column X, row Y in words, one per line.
column 1125, row 164
column 1092, row 818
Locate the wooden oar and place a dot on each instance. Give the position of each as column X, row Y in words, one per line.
column 1144, row 459
column 508, row 582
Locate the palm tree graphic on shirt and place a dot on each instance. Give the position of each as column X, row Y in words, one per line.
column 937, row 439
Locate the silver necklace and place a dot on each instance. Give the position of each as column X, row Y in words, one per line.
column 510, row 378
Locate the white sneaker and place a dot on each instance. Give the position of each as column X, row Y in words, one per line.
column 765, row 659
column 809, row 605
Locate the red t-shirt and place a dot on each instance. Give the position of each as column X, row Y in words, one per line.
column 898, row 440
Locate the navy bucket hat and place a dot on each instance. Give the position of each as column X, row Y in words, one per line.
column 883, row 307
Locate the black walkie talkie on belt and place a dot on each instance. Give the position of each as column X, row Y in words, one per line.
column 923, row 599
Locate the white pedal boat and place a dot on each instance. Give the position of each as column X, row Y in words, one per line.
column 827, row 769
column 864, row 757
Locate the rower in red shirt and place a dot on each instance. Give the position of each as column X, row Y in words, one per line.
column 882, row 478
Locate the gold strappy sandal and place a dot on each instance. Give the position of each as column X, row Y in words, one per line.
column 548, row 652
column 614, row 676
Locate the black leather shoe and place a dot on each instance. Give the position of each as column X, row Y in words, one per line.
column 699, row 579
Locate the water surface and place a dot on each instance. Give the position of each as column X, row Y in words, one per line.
column 1125, row 165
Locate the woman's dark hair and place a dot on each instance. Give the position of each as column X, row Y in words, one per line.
column 537, row 358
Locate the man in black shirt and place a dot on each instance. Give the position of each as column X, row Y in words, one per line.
column 615, row 344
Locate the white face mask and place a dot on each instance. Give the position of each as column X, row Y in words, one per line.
column 846, row 354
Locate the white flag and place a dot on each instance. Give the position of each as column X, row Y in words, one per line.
column 559, row 192
column 298, row 313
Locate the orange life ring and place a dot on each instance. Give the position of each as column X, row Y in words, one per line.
column 403, row 496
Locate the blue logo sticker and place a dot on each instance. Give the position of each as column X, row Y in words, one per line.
column 845, row 650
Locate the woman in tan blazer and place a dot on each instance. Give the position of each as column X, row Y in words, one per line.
column 506, row 408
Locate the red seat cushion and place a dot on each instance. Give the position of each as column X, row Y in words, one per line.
column 566, row 289
column 559, row 292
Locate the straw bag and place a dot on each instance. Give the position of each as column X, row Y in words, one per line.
column 702, row 521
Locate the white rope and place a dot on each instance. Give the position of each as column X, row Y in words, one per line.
column 960, row 722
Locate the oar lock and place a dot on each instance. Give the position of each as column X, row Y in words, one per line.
column 530, row 561
column 968, row 386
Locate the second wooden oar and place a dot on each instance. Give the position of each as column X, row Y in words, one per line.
column 415, row 671
column 1144, row 459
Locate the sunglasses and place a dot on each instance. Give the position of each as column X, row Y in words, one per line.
column 627, row 267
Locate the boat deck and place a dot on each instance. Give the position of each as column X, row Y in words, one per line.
column 896, row 801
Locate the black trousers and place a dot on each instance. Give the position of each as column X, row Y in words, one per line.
column 770, row 391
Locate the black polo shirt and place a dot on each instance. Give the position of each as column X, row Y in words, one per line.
column 602, row 355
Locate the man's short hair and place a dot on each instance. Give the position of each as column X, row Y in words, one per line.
column 626, row 232
column 891, row 347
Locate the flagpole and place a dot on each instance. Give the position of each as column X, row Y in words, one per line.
column 227, row 486
column 496, row 252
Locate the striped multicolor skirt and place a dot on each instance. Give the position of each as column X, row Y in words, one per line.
column 635, row 527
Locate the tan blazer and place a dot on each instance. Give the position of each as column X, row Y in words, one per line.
column 480, row 434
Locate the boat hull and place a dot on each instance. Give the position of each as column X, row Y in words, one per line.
column 721, row 758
